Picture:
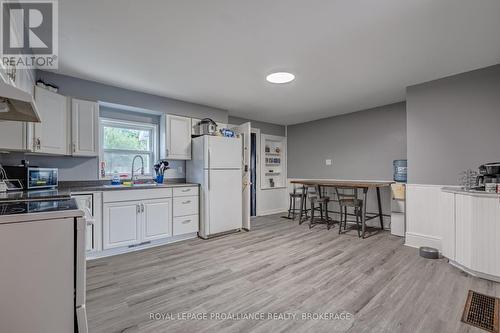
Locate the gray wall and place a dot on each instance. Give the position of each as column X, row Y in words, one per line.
column 362, row 145
column 70, row 168
column 265, row 128
column 453, row 124
column 84, row 168
column 105, row 93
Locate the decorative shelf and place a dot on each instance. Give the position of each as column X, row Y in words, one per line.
column 273, row 166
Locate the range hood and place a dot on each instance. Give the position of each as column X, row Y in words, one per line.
column 15, row 103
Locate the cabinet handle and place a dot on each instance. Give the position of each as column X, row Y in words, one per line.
column 138, row 208
column 167, row 152
column 187, row 190
column 74, row 148
column 186, row 221
column 142, row 208
column 186, row 202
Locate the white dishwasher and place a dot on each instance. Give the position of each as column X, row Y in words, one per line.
column 85, row 203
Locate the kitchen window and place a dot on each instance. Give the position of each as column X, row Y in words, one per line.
column 121, row 141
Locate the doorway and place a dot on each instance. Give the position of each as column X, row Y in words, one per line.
column 254, row 171
column 253, row 174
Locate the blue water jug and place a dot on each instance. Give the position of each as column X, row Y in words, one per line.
column 400, row 170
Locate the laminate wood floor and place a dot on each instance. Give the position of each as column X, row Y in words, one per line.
column 280, row 267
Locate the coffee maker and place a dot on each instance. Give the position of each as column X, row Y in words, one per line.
column 488, row 173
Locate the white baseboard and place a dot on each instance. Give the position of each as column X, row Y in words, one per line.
column 417, row 240
column 474, row 273
column 121, row 250
column 274, row 211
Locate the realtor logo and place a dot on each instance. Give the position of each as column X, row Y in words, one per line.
column 29, row 34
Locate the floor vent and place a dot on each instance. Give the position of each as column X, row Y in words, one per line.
column 482, row 311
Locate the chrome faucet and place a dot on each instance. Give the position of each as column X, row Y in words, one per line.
column 133, row 169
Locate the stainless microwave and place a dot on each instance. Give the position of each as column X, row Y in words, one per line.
column 33, row 177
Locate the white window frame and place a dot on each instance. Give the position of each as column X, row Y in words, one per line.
column 148, row 174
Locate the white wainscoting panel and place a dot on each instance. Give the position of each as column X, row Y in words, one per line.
column 272, row 201
column 423, row 224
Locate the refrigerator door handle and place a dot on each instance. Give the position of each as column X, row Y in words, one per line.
column 209, row 153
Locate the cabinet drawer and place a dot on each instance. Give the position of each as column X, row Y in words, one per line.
column 185, row 225
column 185, row 191
column 133, row 194
column 184, row 206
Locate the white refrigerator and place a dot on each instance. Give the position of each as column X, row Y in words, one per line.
column 216, row 164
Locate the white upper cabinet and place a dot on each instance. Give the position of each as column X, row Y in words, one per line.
column 51, row 136
column 13, row 135
column 194, row 123
column 84, row 127
column 178, row 137
column 25, row 79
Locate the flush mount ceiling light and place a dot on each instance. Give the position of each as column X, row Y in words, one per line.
column 280, row 77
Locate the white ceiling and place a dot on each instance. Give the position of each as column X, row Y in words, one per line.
column 347, row 55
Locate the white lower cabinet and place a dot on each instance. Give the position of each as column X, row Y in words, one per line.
column 185, row 224
column 472, row 232
column 184, row 206
column 121, row 224
column 136, row 219
column 133, row 223
column 156, row 219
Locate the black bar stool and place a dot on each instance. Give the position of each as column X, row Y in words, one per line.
column 322, row 206
column 292, row 210
column 349, row 200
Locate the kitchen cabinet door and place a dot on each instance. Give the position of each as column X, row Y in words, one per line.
column 13, row 135
column 84, row 127
column 156, row 219
column 178, row 137
column 447, row 218
column 194, row 123
column 463, row 229
column 51, row 136
column 121, row 224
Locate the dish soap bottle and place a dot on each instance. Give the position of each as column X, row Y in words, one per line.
column 115, row 180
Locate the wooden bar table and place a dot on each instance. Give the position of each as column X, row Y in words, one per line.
column 355, row 184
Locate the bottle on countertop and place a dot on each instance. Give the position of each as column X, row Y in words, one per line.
column 115, row 180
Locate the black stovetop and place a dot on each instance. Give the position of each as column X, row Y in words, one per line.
column 26, row 207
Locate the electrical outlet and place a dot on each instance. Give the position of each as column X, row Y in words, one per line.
column 328, row 162
column 179, row 169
